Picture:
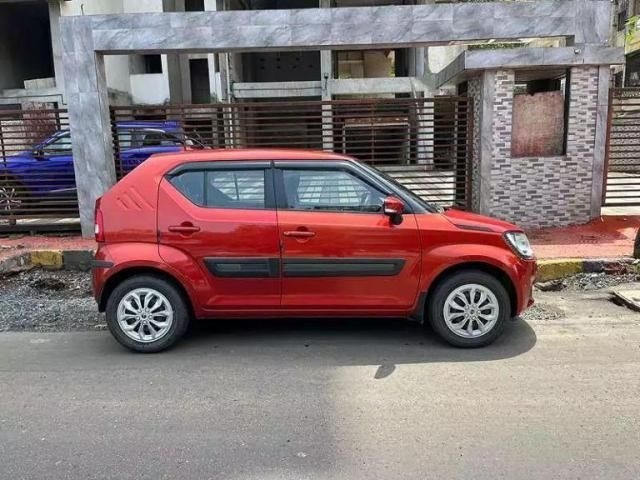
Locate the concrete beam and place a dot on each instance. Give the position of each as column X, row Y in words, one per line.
column 359, row 86
column 8, row 97
column 344, row 86
column 349, row 28
column 243, row 90
column 515, row 58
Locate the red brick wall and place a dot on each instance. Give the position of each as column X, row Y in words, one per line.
column 538, row 125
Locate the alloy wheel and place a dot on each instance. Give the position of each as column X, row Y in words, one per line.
column 145, row 315
column 471, row 311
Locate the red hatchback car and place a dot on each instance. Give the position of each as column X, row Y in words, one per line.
column 274, row 233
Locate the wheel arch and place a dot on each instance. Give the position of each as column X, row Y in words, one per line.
column 117, row 278
column 488, row 268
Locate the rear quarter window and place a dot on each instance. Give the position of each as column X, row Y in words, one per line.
column 191, row 185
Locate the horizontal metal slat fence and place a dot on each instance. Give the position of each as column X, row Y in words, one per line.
column 37, row 181
column 622, row 172
column 424, row 143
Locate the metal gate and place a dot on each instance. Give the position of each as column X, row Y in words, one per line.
column 37, row 181
column 622, row 165
column 424, row 143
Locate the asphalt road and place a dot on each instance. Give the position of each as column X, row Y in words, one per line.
column 329, row 400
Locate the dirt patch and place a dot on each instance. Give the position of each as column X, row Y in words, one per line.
column 587, row 282
column 543, row 312
column 43, row 301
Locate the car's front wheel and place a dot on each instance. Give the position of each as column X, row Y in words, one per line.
column 469, row 309
column 147, row 314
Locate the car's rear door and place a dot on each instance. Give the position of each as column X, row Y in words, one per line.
column 340, row 253
column 222, row 214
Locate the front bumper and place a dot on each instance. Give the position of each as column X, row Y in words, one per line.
column 526, row 278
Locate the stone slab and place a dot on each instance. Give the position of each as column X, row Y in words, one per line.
column 629, row 296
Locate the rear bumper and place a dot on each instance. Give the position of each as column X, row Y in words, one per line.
column 99, row 269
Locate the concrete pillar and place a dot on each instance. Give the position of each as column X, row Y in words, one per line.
column 88, row 104
column 425, row 133
column 56, row 43
column 179, row 78
column 599, row 153
column 486, row 141
column 326, row 73
column 326, row 69
column 176, row 91
column 425, row 118
column 179, row 74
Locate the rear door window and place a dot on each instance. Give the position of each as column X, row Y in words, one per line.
column 235, row 189
column 224, row 188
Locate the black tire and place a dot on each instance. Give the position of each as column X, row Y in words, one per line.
column 181, row 313
column 437, row 299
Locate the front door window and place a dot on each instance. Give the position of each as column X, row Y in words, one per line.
column 330, row 190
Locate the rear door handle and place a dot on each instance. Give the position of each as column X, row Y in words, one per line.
column 299, row 234
column 185, row 228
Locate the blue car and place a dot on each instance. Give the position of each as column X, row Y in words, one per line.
column 44, row 174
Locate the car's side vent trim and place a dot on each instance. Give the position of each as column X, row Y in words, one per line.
column 342, row 267
column 258, row 267
column 245, row 267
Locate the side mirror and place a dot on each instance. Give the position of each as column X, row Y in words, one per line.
column 38, row 153
column 393, row 209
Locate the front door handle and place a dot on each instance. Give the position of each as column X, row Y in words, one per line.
column 299, row 234
column 185, row 228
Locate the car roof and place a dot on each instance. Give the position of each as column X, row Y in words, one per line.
column 165, row 124
column 248, row 154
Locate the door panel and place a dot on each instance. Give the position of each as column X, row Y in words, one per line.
column 237, row 247
column 353, row 261
column 344, row 260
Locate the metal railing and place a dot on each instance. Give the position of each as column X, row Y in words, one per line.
column 622, row 172
column 424, row 143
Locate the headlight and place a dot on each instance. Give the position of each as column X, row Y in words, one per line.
column 519, row 242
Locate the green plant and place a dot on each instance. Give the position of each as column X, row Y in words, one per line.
column 631, row 27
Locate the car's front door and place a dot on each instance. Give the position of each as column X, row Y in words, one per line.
column 222, row 214
column 339, row 251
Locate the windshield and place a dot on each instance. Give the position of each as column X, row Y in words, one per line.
column 398, row 186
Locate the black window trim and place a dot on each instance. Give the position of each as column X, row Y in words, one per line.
column 274, row 183
column 205, row 167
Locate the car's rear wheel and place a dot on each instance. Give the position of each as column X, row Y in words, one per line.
column 147, row 314
column 469, row 309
